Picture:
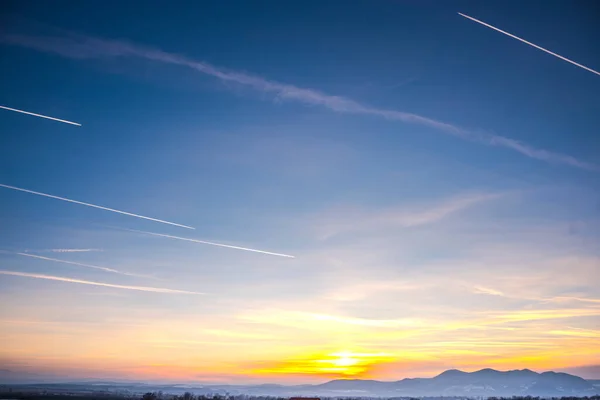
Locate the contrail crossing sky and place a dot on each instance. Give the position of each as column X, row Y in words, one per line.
column 95, row 206
column 531, row 44
column 41, row 116
column 84, row 282
column 211, row 243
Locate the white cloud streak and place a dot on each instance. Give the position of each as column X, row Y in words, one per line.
column 94, row 206
column 105, row 269
column 40, row 115
column 110, row 285
column 570, row 298
column 63, row 251
column 578, row 332
column 73, row 250
column 82, row 47
column 210, row 243
column 437, row 213
column 346, row 221
column 311, row 320
column 486, row 290
column 531, row 44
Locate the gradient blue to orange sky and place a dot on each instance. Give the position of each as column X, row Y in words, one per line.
column 437, row 183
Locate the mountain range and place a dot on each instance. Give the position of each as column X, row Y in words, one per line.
column 483, row 383
column 486, row 382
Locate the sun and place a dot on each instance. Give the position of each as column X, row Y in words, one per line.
column 344, row 361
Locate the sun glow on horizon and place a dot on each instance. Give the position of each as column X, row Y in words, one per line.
column 331, row 364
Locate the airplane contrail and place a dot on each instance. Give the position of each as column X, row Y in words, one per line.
column 210, row 243
column 71, row 280
column 63, row 251
column 531, row 44
column 95, row 206
column 40, row 115
column 105, row 269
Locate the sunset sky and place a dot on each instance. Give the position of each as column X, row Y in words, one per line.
column 435, row 183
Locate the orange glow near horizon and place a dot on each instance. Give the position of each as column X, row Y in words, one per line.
column 295, row 342
column 216, row 357
column 337, row 364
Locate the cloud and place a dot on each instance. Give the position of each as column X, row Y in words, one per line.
column 62, row 251
column 105, row 269
column 236, row 334
column 354, row 220
column 359, row 291
column 93, row 205
column 379, row 323
column 418, row 322
column 485, row 290
column 438, row 212
column 536, row 315
column 320, row 321
column 70, row 280
column 531, row 44
column 73, row 250
column 577, row 332
column 569, row 298
column 82, row 47
column 40, row 115
column 210, row 243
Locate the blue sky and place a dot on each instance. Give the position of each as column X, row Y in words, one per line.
column 430, row 226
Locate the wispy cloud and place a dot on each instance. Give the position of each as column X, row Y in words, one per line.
column 63, row 251
column 210, row 243
column 530, row 44
column 81, row 47
column 437, row 212
column 571, row 298
column 486, row 290
column 94, row 206
column 359, row 291
column 105, row 269
column 535, row 315
column 83, row 282
column 320, row 321
column 236, row 334
column 577, row 332
column 380, row 323
column 40, row 115
column 315, row 321
column 73, row 250
column 406, row 217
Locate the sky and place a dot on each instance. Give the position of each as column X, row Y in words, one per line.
column 402, row 189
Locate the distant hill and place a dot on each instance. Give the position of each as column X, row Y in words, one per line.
column 486, row 382
column 483, row 383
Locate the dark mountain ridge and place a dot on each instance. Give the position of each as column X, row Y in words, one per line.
column 483, row 383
